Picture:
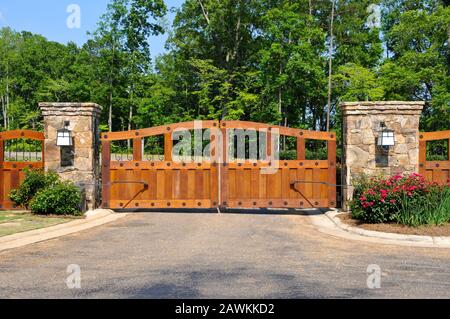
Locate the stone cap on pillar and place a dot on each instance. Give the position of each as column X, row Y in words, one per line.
column 70, row 109
column 382, row 107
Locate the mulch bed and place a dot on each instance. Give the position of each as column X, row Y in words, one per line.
column 396, row 228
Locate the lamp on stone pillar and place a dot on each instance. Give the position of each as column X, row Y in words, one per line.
column 70, row 146
column 386, row 137
column 64, row 136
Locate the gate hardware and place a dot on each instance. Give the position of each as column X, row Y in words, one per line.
column 130, row 182
column 322, row 183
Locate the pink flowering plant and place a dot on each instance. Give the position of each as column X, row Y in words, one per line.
column 405, row 199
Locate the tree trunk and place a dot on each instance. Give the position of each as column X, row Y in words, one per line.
column 5, row 122
column 330, row 65
column 110, row 109
column 7, row 97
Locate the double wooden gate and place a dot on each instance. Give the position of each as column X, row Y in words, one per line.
column 19, row 150
column 221, row 175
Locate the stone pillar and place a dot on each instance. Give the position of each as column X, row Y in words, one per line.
column 361, row 125
column 80, row 162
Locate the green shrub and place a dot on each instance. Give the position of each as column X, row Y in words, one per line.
column 62, row 198
column 408, row 200
column 433, row 208
column 34, row 181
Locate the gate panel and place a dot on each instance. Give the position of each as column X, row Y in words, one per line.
column 19, row 150
column 269, row 182
column 141, row 183
column 261, row 182
column 434, row 171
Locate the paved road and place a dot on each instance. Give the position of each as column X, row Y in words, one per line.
column 220, row 256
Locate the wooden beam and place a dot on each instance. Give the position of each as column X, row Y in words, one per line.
column 137, row 149
column 106, row 177
column 332, row 173
column 168, row 144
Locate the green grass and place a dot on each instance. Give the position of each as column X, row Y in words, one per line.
column 12, row 222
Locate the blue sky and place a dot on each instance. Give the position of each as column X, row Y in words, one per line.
column 48, row 18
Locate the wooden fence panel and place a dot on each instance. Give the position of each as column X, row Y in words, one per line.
column 434, row 171
column 19, row 150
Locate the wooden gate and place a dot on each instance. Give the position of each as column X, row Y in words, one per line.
column 435, row 170
column 145, row 180
column 19, row 150
column 133, row 176
column 269, row 181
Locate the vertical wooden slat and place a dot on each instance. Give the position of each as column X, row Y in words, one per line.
column 152, row 184
column 255, row 183
column 422, row 156
column 160, row 184
column 332, row 174
column 285, row 183
column 262, row 192
column 191, row 184
column 245, row 183
column 292, row 178
column 269, row 145
column 168, row 185
column 231, row 184
column 184, row 184
column 206, row 184
column 106, row 178
column 224, row 169
column 215, row 159
column 168, row 147
column 277, row 185
column 214, row 185
column 199, row 184
column 137, row 149
column 315, row 185
column 301, row 155
column 308, row 193
column 176, row 184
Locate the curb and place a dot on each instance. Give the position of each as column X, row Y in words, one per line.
column 400, row 239
column 93, row 219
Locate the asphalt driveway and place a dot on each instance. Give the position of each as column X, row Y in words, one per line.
column 194, row 255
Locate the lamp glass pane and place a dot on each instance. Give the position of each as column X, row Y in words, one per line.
column 64, row 138
column 387, row 138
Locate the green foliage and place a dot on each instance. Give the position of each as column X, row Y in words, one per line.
column 62, row 198
column 431, row 209
column 258, row 60
column 356, row 83
column 407, row 200
column 34, row 181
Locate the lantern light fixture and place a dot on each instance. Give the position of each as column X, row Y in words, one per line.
column 64, row 136
column 386, row 137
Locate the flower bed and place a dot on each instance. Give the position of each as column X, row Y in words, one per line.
column 404, row 199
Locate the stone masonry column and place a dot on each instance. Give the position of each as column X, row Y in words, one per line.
column 80, row 162
column 362, row 122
